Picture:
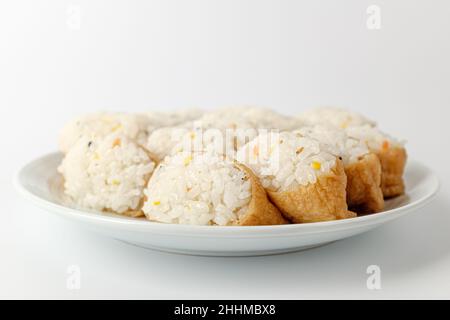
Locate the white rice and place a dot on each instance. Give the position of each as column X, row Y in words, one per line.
column 238, row 125
column 162, row 141
column 258, row 118
column 107, row 173
column 336, row 142
column 284, row 159
column 336, row 117
column 223, row 119
column 171, row 119
column 171, row 140
column 135, row 126
column 200, row 189
column 99, row 125
column 219, row 132
column 212, row 141
column 374, row 138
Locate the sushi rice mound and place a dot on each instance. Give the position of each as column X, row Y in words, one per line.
column 198, row 189
column 212, row 141
column 99, row 125
column 163, row 140
column 252, row 117
column 106, row 174
column 284, row 159
column 231, row 166
column 392, row 156
column 168, row 141
column 240, row 125
column 335, row 117
column 234, row 128
column 158, row 119
column 373, row 137
column 336, row 142
column 135, row 126
column 219, row 132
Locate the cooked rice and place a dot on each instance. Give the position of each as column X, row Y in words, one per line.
column 374, row 138
column 162, row 141
column 257, row 118
column 336, row 117
column 240, row 125
column 200, row 189
column 107, row 173
column 336, row 142
column 158, row 119
column 222, row 131
column 284, row 159
column 99, row 125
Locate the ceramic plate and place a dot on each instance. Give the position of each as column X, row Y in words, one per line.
column 40, row 183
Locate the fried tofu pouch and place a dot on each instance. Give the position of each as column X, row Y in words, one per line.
column 260, row 210
column 321, row 201
column 364, row 193
column 393, row 162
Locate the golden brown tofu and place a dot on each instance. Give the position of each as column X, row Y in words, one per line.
column 138, row 213
column 260, row 210
column 364, row 193
column 321, row 201
column 393, row 161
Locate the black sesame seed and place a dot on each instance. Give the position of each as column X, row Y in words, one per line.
column 89, row 144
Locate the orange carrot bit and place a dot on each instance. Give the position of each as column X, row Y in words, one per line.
column 117, row 142
column 385, row 145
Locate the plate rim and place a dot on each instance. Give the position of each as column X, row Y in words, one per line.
column 144, row 225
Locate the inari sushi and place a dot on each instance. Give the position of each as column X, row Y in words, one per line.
column 242, row 124
column 392, row 155
column 307, row 184
column 107, row 174
column 99, row 125
column 203, row 189
column 136, row 127
column 363, row 168
column 167, row 141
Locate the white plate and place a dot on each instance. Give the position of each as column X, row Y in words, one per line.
column 39, row 182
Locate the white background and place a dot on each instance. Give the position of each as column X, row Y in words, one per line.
column 141, row 55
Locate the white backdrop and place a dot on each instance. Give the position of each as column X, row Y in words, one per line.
column 62, row 58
